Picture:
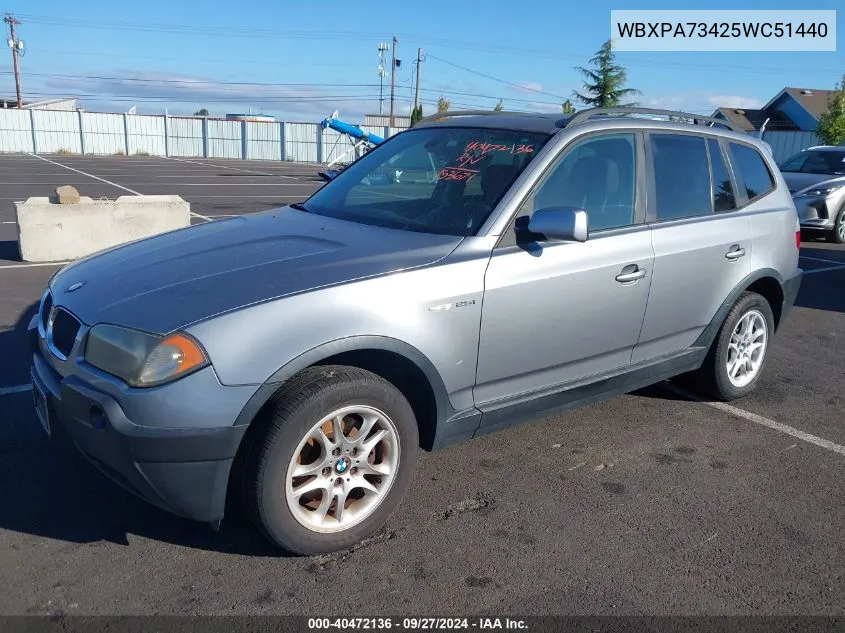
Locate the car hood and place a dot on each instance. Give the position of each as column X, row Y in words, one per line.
column 166, row 282
column 796, row 181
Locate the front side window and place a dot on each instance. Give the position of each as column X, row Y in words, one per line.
column 752, row 170
column 433, row 179
column 597, row 175
column 681, row 176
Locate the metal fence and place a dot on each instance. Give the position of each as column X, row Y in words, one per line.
column 57, row 131
column 787, row 143
column 51, row 131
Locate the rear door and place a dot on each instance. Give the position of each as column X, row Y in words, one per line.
column 702, row 244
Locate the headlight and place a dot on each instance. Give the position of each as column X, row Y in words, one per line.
column 142, row 359
column 824, row 190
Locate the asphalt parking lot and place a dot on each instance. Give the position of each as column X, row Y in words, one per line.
column 650, row 503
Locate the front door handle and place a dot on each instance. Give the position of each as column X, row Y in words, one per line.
column 735, row 253
column 628, row 277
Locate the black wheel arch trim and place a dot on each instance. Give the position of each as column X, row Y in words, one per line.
column 340, row 346
column 708, row 335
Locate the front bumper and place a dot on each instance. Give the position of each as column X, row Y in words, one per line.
column 183, row 470
column 817, row 212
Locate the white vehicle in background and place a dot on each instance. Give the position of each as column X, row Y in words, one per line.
column 816, row 180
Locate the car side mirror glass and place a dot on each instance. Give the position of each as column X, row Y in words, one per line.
column 568, row 224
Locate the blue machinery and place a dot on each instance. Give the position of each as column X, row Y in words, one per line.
column 361, row 141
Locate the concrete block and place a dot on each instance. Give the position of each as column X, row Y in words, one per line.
column 49, row 232
column 66, row 195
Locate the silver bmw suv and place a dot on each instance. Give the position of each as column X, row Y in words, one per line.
column 477, row 271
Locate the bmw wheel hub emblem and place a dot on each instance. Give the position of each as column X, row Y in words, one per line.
column 342, row 465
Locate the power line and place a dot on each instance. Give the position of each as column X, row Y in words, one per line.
column 480, row 74
column 196, row 81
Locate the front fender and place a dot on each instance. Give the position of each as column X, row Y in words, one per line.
column 340, row 346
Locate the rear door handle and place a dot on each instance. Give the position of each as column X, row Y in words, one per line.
column 623, row 278
column 735, row 253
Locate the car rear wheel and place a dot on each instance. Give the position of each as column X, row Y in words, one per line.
column 837, row 235
column 335, row 459
column 736, row 359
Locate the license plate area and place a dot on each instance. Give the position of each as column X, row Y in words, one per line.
column 42, row 410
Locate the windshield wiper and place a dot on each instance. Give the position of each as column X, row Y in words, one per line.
column 299, row 207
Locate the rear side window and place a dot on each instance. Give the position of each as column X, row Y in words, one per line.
column 751, row 171
column 723, row 191
column 681, row 176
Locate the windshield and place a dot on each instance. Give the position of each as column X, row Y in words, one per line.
column 432, row 180
column 830, row 162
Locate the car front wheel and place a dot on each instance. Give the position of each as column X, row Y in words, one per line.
column 837, row 235
column 334, row 460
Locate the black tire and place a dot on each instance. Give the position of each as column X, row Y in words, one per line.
column 289, row 416
column 712, row 378
column 837, row 235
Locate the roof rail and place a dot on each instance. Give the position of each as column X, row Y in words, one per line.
column 586, row 115
column 453, row 113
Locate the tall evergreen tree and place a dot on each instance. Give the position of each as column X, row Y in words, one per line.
column 498, row 107
column 443, row 104
column 604, row 81
column 567, row 107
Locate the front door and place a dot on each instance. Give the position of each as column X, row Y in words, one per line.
column 557, row 312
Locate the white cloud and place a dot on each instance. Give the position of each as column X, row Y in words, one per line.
column 734, row 101
column 698, row 102
column 182, row 94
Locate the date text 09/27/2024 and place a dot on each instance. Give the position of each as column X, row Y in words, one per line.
column 415, row 624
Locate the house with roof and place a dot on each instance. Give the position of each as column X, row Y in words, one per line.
column 792, row 109
column 787, row 122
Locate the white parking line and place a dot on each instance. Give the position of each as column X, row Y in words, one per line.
column 824, row 270
column 196, row 162
column 108, row 182
column 267, row 195
column 35, row 264
column 759, row 419
column 818, row 259
column 4, row 391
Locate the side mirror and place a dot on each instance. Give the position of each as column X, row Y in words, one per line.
column 562, row 223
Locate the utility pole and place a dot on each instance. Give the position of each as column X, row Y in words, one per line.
column 392, row 77
column 382, row 47
column 417, row 91
column 17, row 46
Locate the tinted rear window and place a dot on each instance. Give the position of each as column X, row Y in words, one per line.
column 751, row 170
column 681, row 176
column 723, row 191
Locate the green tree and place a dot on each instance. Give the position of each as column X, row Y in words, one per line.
column 442, row 104
column 416, row 115
column 567, row 107
column 831, row 127
column 499, row 106
column 202, row 112
column 604, row 81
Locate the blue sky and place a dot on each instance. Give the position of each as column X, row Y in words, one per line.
column 310, row 58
